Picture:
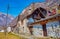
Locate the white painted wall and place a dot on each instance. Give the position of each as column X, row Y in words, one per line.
column 26, row 30
column 23, row 27
column 20, row 26
column 8, row 29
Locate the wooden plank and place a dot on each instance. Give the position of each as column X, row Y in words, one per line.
column 44, row 30
column 47, row 20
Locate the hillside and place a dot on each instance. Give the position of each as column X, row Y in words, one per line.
column 4, row 17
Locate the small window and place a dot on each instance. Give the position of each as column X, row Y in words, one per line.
column 29, row 9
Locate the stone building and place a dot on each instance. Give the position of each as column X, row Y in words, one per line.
column 38, row 14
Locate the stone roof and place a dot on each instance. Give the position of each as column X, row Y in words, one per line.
column 29, row 10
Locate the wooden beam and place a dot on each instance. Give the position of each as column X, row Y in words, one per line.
column 31, row 29
column 46, row 20
column 44, row 30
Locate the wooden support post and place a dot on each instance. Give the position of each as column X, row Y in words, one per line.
column 31, row 30
column 44, row 30
column 59, row 23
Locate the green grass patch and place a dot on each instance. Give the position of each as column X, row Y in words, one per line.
column 13, row 36
column 10, row 36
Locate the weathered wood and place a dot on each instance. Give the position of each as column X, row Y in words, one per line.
column 31, row 30
column 46, row 20
column 44, row 30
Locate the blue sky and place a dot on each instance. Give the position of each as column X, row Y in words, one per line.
column 15, row 6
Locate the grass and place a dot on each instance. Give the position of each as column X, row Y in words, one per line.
column 10, row 36
column 13, row 36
